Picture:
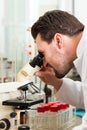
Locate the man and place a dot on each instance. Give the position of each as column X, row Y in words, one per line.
column 61, row 38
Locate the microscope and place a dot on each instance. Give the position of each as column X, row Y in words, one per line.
column 28, row 71
column 16, row 108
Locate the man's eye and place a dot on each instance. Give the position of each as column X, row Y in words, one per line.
column 41, row 53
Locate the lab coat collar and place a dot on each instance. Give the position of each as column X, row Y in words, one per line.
column 80, row 49
column 82, row 43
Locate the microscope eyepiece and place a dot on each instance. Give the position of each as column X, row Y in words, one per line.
column 38, row 60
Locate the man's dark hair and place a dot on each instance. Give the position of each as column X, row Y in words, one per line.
column 56, row 21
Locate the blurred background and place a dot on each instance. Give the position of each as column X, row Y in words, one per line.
column 16, row 43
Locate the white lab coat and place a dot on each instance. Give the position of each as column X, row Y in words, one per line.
column 75, row 92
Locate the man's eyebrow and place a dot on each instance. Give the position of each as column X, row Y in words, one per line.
column 41, row 53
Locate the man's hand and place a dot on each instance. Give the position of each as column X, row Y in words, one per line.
column 47, row 75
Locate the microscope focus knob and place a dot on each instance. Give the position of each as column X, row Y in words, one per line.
column 23, row 127
column 4, row 124
column 13, row 114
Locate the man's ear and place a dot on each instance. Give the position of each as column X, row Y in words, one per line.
column 58, row 40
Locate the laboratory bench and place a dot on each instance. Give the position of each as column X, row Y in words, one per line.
column 78, row 121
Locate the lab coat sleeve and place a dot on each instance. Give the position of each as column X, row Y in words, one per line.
column 71, row 92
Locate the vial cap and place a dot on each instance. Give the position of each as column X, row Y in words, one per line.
column 54, row 108
column 40, row 109
column 46, row 107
